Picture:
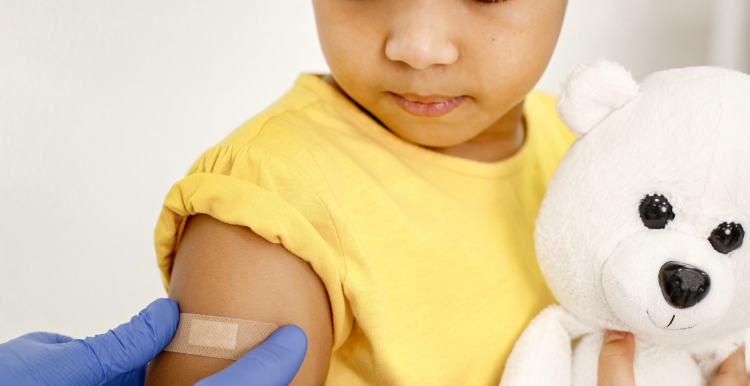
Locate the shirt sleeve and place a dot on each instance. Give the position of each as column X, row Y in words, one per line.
column 243, row 185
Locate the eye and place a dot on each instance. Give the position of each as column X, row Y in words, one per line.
column 656, row 211
column 727, row 237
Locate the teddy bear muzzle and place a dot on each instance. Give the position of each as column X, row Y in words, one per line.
column 664, row 281
column 683, row 286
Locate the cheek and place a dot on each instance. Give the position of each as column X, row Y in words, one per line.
column 512, row 55
column 350, row 38
column 357, row 66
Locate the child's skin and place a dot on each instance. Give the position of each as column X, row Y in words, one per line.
column 492, row 54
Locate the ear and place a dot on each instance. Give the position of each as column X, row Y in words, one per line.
column 592, row 92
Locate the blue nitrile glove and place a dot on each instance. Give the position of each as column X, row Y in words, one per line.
column 119, row 357
column 273, row 363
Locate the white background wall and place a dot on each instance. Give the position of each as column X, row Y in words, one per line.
column 105, row 104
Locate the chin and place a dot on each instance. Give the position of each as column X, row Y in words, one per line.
column 433, row 136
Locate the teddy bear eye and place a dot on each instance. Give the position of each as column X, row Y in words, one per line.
column 656, row 211
column 727, row 237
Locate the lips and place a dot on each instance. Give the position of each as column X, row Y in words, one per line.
column 427, row 106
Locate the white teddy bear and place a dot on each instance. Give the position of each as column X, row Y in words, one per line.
column 642, row 228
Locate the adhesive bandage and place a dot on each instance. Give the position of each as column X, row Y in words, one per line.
column 218, row 337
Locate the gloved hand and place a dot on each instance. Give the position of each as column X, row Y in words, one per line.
column 273, row 363
column 119, row 357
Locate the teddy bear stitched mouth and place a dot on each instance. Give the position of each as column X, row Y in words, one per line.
column 670, row 323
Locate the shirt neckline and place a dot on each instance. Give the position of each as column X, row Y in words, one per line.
column 373, row 129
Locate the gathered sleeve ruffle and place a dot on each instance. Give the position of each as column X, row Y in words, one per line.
column 243, row 185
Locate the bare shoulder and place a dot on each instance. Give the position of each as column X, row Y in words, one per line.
column 228, row 270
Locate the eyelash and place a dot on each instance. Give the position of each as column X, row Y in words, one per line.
column 490, row 1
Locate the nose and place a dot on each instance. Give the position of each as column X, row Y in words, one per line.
column 683, row 286
column 421, row 38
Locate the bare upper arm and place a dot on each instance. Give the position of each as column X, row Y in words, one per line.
column 228, row 270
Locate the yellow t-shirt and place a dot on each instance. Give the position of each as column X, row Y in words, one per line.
column 428, row 259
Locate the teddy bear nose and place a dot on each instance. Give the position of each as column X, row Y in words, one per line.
column 683, row 286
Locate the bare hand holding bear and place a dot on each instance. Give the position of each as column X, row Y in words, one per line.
column 732, row 371
column 616, row 359
column 616, row 363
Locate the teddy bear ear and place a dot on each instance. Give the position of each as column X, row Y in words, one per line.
column 592, row 92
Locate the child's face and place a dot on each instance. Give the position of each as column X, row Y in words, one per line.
column 482, row 58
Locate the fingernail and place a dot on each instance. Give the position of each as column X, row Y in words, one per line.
column 611, row 336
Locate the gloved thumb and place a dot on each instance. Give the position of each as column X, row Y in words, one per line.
column 274, row 362
column 131, row 345
column 616, row 359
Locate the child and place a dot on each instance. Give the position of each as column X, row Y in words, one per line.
column 388, row 208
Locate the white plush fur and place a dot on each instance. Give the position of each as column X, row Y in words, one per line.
column 684, row 134
column 592, row 92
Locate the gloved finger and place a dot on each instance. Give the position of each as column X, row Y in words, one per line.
column 732, row 371
column 46, row 337
column 131, row 345
column 274, row 362
column 616, row 359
